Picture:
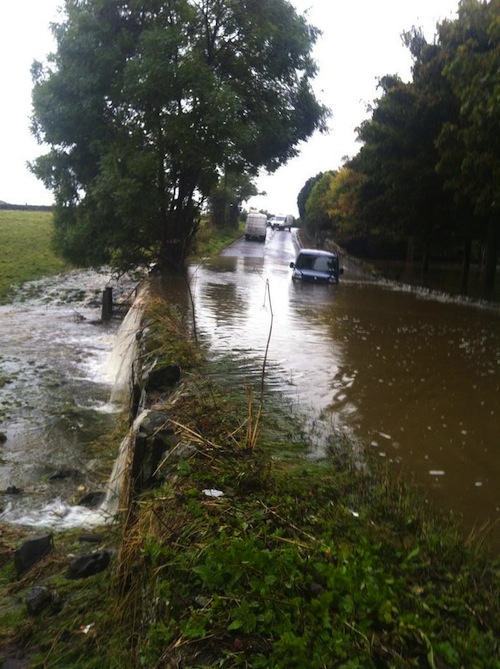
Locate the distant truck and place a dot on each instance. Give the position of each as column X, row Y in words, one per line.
column 282, row 222
column 256, row 227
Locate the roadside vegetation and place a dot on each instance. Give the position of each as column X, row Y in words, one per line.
column 27, row 253
column 25, row 240
column 211, row 240
column 248, row 554
column 214, row 92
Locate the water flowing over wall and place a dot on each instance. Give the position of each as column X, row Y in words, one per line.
column 31, row 508
column 122, row 361
column 119, row 481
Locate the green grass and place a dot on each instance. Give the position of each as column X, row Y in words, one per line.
column 210, row 241
column 26, row 251
column 25, row 243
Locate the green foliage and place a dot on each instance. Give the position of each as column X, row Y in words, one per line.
column 428, row 169
column 401, row 195
column 25, row 240
column 304, row 193
column 287, row 576
column 225, row 199
column 145, row 106
column 317, row 217
column 469, row 143
column 170, row 345
column 210, row 241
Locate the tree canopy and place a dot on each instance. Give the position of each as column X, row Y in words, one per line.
column 146, row 103
column 428, row 170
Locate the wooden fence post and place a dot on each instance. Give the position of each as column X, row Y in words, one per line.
column 107, row 304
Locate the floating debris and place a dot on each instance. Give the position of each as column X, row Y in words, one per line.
column 213, row 493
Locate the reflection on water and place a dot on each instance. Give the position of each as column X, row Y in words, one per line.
column 416, row 378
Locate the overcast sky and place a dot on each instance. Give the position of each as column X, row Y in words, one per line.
column 361, row 42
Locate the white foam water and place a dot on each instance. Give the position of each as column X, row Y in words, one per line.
column 58, row 514
column 110, row 505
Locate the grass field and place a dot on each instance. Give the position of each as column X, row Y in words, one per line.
column 26, row 252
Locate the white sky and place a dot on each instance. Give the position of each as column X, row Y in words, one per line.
column 360, row 43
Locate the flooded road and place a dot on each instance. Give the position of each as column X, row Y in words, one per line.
column 414, row 376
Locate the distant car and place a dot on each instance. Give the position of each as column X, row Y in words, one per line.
column 316, row 266
column 282, row 222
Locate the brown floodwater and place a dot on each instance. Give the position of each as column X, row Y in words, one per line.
column 413, row 375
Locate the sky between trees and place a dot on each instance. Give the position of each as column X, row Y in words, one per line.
column 361, row 42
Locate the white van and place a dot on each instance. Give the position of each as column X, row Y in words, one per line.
column 256, row 226
column 282, row 222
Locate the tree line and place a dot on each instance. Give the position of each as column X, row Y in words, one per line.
column 149, row 107
column 427, row 174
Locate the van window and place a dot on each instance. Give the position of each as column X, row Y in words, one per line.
column 317, row 263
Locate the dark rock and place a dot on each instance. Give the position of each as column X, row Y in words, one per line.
column 31, row 552
column 63, row 474
column 37, row 599
column 156, row 421
column 13, row 490
column 149, row 453
column 3, row 437
column 91, row 538
column 92, row 500
column 316, row 589
column 164, row 377
column 40, row 598
column 89, row 565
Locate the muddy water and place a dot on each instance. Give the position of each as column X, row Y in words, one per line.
column 415, row 376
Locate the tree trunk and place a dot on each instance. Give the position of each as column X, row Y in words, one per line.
column 424, row 268
column 410, row 253
column 491, row 260
column 464, row 279
column 180, row 224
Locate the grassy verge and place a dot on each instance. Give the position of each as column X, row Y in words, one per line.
column 295, row 564
column 25, row 240
column 210, row 241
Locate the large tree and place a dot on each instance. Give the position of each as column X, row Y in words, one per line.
column 145, row 103
column 304, row 194
column 401, row 196
column 317, row 219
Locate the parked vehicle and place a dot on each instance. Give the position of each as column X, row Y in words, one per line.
column 256, row 226
column 282, row 222
column 316, row 266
